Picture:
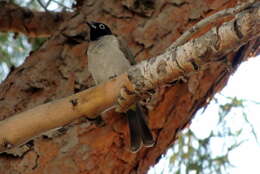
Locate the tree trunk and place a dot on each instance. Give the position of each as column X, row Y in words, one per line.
column 59, row 69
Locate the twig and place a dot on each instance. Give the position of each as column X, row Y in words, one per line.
column 42, row 5
column 48, row 3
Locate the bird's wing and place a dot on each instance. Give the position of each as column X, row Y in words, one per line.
column 126, row 50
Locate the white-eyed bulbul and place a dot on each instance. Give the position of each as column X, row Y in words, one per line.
column 108, row 57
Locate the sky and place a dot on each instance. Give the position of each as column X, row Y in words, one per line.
column 243, row 84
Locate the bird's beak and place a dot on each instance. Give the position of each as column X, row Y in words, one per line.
column 91, row 25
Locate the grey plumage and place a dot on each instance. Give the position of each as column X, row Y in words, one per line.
column 109, row 57
column 105, row 59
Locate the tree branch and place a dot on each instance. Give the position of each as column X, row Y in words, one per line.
column 147, row 75
column 178, row 62
column 31, row 23
column 25, row 125
column 195, row 28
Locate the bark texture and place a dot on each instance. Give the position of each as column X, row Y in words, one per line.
column 31, row 23
column 58, row 69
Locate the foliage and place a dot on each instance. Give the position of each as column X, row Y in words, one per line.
column 13, row 50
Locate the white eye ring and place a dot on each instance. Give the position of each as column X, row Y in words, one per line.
column 102, row 26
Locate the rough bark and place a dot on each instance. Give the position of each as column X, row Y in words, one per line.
column 31, row 23
column 58, row 69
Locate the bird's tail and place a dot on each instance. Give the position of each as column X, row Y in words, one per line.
column 146, row 134
column 139, row 131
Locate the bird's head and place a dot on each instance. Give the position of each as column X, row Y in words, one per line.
column 98, row 30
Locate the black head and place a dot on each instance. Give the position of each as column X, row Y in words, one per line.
column 98, row 30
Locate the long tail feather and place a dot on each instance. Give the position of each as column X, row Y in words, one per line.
column 146, row 134
column 134, row 129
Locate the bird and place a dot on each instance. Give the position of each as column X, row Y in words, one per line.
column 109, row 56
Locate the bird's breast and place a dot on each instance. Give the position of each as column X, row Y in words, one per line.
column 105, row 59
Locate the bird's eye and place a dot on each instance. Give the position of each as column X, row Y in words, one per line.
column 102, row 26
